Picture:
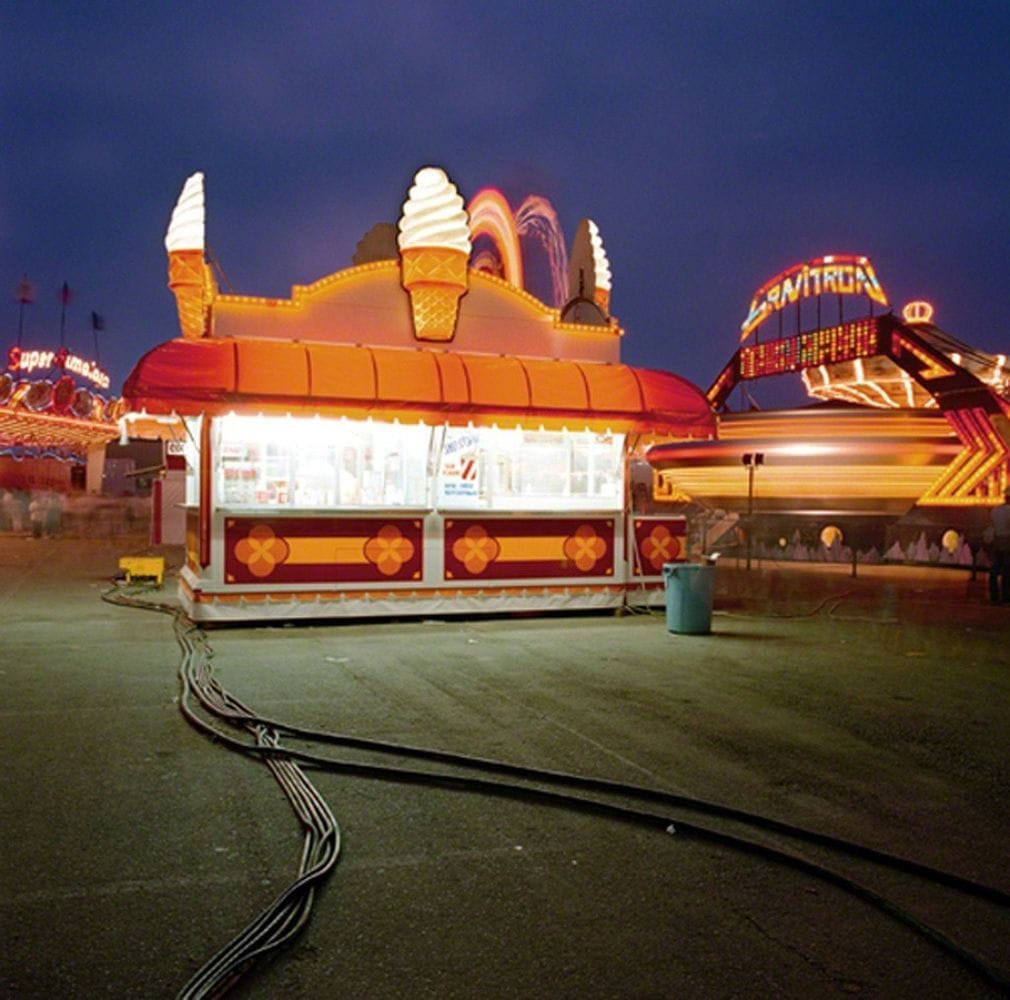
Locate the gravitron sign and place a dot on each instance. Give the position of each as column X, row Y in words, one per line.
column 837, row 274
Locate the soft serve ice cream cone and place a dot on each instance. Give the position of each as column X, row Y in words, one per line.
column 601, row 269
column 188, row 275
column 434, row 245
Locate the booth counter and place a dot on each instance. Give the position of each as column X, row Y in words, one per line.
column 407, row 472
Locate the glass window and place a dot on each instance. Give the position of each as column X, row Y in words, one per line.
column 191, row 452
column 463, row 471
column 320, row 464
column 503, row 469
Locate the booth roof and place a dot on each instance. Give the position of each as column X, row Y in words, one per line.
column 216, row 376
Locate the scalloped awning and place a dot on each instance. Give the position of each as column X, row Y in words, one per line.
column 217, row 376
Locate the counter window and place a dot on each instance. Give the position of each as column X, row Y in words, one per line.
column 191, row 452
column 497, row 469
column 321, row 464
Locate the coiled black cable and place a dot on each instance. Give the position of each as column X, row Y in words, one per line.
column 199, row 682
column 290, row 911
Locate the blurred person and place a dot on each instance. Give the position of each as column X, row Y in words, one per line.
column 6, row 499
column 999, row 571
column 53, row 514
column 37, row 513
column 17, row 511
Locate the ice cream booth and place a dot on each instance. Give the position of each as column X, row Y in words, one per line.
column 416, row 434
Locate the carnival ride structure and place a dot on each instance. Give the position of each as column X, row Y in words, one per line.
column 55, row 413
column 910, row 423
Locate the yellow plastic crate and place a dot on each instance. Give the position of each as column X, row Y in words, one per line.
column 143, row 568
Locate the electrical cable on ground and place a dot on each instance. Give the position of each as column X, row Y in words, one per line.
column 290, row 911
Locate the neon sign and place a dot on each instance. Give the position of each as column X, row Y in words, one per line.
column 808, row 350
column 917, row 312
column 26, row 362
column 840, row 274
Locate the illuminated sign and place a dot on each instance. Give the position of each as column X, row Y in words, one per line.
column 932, row 366
column 840, row 274
column 26, row 362
column 807, row 350
column 917, row 312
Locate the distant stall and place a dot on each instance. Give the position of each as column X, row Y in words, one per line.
column 56, row 417
column 412, row 435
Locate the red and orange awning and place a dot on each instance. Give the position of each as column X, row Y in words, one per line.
column 218, row 376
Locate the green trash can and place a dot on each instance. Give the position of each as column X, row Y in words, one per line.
column 689, row 591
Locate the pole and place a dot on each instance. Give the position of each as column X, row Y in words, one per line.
column 750, row 510
column 25, row 295
column 97, row 323
column 751, row 459
column 64, row 299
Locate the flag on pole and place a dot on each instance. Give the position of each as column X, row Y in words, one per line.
column 97, row 326
column 65, row 299
column 25, row 295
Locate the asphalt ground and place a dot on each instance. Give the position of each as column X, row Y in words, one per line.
column 874, row 709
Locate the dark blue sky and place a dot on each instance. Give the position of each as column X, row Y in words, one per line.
column 714, row 144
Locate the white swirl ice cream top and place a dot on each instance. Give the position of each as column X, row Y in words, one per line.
column 433, row 214
column 601, row 264
column 186, row 227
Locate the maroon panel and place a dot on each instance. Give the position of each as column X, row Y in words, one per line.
column 289, row 550
column 659, row 540
column 490, row 548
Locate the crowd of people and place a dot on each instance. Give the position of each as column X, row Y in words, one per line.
column 36, row 512
column 50, row 513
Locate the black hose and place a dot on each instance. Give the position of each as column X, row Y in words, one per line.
column 290, row 911
column 603, row 785
column 663, row 822
column 197, row 681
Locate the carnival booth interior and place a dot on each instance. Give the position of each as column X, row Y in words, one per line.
column 416, row 434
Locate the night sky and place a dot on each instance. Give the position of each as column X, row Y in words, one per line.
column 713, row 143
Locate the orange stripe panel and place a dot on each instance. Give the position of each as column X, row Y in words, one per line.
column 613, row 388
column 341, row 372
column 271, row 366
column 497, row 381
column 339, row 550
column 556, row 384
column 531, row 548
column 407, row 376
column 455, row 384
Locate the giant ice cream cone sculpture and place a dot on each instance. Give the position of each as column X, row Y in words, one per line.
column 434, row 245
column 601, row 269
column 189, row 277
column 589, row 268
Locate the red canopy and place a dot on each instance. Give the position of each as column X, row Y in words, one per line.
column 217, row 376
